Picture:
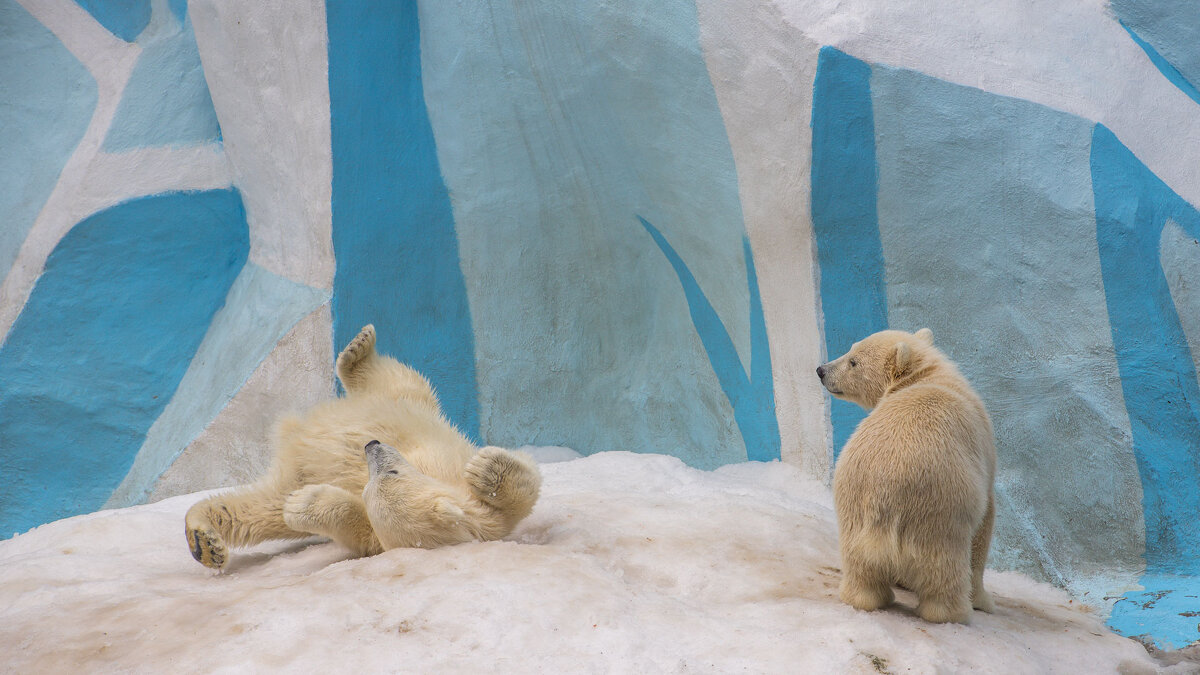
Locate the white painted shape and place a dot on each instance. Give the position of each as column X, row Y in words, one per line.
column 266, row 64
column 259, row 310
column 1071, row 56
column 236, row 447
column 1180, row 257
column 762, row 70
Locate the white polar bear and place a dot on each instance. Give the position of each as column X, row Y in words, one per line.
column 913, row 487
column 377, row 469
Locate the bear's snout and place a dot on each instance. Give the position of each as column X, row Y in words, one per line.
column 370, row 443
column 821, row 372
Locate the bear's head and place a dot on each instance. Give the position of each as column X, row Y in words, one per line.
column 408, row 508
column 873, row 364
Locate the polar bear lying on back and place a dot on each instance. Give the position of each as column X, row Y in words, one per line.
column 377, row 469
column 913, row 485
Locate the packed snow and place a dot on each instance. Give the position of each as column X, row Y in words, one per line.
column 630, row 563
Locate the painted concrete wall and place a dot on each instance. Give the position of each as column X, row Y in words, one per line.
column 628, row 225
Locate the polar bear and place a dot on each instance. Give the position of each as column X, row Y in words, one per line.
column 913, row 484
column 377, row 469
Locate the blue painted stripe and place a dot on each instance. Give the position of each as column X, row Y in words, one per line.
column 752, row 398
column 100, row 347
column 845, row 222
column 1158, row 377
column 124, row 18
column 1164, row 66
column 393, row 230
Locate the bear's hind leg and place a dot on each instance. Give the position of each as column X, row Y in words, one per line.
column 942, row 583
column 361, row 369
column 506, row 481
column 863, row 587
column 333, row 512
column 980, row 598
column 244, row 517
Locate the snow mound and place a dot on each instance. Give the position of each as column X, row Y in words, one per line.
column 629, row 563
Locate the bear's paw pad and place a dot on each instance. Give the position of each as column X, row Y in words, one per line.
column 207, row 548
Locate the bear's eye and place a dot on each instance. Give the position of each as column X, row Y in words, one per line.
column 394, row 472
column 853, row 363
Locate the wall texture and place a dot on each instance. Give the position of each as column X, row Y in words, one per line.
column 626, row 225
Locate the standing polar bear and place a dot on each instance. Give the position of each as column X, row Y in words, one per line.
column 913, row 485
column 424, row 485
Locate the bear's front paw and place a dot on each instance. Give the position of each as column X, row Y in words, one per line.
column 207, row 548
column 302, row 510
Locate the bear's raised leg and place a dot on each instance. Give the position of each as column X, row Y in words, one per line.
column 507, row 481
column 980, row 599
column 244, row 517
column 863, row 587
column 943, row 587
column 361, row 369
column 333, row 512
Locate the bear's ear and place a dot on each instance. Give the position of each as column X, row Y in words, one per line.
column 901, row 357
column 925, row 335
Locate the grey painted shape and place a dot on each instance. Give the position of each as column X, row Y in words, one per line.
column 989, row 238
column 259, row 310
column 236, row 447
column 1180, row 256
column 46, row 102
column 556, row 124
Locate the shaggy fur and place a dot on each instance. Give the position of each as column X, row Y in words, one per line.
column 913, row 485
column 377, row 469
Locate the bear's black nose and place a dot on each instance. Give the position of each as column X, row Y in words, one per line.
column 821, row 372
column 372, row 443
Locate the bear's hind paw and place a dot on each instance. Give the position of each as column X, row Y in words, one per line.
column 359, row 348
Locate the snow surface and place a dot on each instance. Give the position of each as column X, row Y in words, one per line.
column 629, row 563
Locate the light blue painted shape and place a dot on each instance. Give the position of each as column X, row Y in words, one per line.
column 393, row 230
column 988, row 236
column 753, row 396
column 98, row 350
column 1169, row 32
column 845, row 222
column 1158, row 376
column 555, row 121
column 46, row 102
column 179, row 9
column 166, row 101
column 261, row 308
column 1180, row 258
column 124, row 18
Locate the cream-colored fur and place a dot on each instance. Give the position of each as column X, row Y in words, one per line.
column 425, row 484
column 913, row 485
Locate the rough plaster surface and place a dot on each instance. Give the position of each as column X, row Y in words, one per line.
column 762, row 70
column 556, row 129
column 266, row 67
column 166, row 101
column 1069, row 56
column 46, row 101
column 93, row 180
column 235, row 448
